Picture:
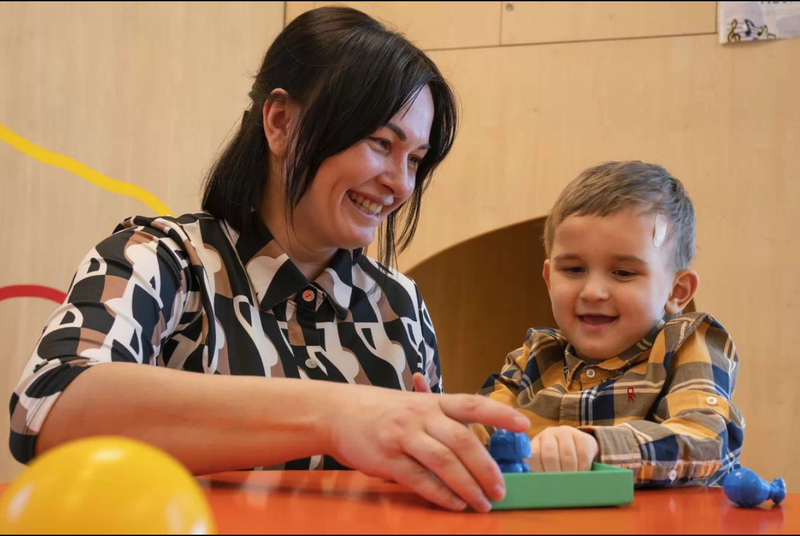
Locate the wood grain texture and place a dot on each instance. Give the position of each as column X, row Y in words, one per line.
column 143, row 93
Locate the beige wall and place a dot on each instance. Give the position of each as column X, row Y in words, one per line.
column 143, row 93
column 567, row 85
column 147, row 93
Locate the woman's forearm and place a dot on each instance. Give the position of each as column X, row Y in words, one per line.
column 209, row 423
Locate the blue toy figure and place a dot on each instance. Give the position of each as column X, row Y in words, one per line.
column 509, row 449
column 747, row 489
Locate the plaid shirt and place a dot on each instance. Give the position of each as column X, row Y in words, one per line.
column 662, row 408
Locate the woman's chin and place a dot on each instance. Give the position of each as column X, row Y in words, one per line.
column 357, row 240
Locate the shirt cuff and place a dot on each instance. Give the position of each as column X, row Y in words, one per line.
column 618, row 446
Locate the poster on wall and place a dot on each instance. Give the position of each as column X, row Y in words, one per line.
column 758, row 21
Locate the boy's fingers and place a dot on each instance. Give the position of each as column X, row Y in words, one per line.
column 587, row 452
column 535, row 462
column 568, row 452
column 551, row 458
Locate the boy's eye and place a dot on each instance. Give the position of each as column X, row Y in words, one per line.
column 624, row 274
column 572, row 270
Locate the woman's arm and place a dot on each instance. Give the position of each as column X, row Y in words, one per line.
column 217, row 423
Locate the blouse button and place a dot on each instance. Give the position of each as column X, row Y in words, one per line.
column 673, row 475
column 310, row 363
column 308, row 295
column 590, row 373
column 711, row 401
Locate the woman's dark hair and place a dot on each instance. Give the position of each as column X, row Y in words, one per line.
column 350, row 76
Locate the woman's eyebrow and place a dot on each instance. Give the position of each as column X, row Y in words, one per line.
column 402, row 135
column 397, row 130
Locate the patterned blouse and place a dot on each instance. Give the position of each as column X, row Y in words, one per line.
column 192, row 294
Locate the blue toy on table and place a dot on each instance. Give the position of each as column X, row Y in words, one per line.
column 509, row 450
column 747, row 489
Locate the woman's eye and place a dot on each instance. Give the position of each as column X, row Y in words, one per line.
column 415, row 161
column 382, row 143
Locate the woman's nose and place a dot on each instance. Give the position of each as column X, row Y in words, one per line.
column 399, row 178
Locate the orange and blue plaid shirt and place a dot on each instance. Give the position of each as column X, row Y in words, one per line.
column 663, row 408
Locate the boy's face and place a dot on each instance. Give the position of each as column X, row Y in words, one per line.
column 608, row 283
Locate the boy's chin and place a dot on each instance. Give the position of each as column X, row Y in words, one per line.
column 597, row 352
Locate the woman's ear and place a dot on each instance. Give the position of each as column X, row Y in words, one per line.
column 683, row 290
column 278, row 116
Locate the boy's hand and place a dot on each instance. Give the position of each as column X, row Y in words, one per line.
column 562, row 448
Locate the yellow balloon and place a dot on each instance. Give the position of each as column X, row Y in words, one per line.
column 105, row 485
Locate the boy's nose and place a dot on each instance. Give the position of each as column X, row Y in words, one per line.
column 595, row 289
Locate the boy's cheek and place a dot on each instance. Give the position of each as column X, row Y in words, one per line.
column 560, row 287
column 560, row 300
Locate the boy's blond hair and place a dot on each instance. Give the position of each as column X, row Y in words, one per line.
column 612, row 186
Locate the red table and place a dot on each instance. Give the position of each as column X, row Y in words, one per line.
column 349, row 502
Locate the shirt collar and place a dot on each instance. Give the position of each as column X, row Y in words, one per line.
column 275, row 278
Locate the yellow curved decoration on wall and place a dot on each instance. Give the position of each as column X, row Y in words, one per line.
column 76, row 168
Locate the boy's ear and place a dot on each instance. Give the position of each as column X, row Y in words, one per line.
column 683, row 290
column 546, row 273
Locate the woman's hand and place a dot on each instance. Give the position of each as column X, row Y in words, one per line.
column 420, row 384
column 419, row 440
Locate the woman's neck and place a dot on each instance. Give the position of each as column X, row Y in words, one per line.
column 309, row 258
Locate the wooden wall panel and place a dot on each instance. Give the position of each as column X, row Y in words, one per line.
column 684, row 102
column 142, row 93
column 483, row 295
column 293, row 9
column 431, row 25
column 552, row 22
column 723, row 119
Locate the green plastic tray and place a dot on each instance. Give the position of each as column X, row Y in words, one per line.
column 604, row 485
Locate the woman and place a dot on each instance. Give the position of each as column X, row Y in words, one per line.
column 270, row 284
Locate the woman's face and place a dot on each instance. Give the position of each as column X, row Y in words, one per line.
column 355, row 190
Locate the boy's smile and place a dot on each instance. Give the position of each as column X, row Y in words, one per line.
column 609, row 284
column 597, row 322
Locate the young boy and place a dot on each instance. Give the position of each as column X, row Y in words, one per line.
column 628, row 379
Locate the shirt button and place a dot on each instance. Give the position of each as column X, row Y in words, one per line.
column 711, row 401
column 590, row 373
column 308, row 295
column 673, row 475
column 310, row 363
